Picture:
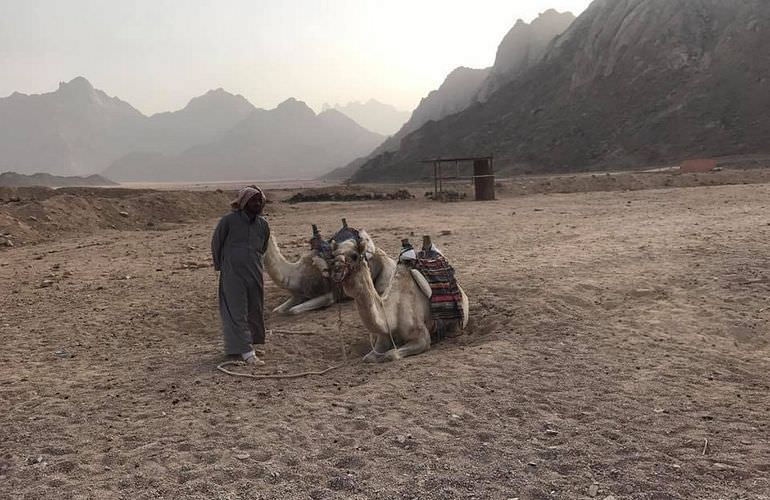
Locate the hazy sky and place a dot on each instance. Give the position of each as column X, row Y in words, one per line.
column 157, row 54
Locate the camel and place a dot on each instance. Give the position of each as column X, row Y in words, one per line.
column 402, row 314
column 308, row 279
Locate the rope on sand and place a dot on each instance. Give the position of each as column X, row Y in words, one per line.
column 221, row 368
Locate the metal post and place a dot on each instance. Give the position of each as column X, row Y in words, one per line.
column 440, row 181
column 435, row 180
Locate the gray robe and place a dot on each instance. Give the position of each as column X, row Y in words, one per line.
column 238, row 246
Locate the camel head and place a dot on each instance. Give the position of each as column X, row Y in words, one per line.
column 351, row 256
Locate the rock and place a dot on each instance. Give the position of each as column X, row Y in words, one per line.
column 242, row 456
column 593, row 490
column 63, row 354
column 33, row 218
column 609, row 497
column 123, row 214
column 45, row 284
column 342, row 484
column 6, row 242
column 446, row 232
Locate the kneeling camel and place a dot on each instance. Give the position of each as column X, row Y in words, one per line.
column 308, row 281
column 401, row 315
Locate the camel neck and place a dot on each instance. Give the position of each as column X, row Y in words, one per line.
column 371, row 307
column 278, row 268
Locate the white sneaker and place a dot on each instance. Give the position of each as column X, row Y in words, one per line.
column 250, row 358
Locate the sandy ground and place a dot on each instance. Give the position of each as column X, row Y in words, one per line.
column 613, row 335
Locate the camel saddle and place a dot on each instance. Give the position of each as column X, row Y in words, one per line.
column 445, row 298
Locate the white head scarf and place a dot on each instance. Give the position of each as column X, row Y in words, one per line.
column 244, row 195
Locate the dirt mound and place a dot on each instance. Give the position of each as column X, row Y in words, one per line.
column 347, row 195
column 31, row 215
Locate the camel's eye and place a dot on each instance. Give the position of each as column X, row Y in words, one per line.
column 354, row 257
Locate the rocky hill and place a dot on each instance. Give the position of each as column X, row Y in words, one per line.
column 204, row 119
column 288, row 142
column 522, row 48
column 631, row 82
column 73, row 131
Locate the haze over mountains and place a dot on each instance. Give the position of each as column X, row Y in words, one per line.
column 75, row 130
column 521, row 48
column 288, row 142
column 80, row 130
column 630, row 83
column 373, row 115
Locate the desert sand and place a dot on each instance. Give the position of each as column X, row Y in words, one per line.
column 618, row 347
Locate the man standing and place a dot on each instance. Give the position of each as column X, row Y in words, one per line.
column 238, row 244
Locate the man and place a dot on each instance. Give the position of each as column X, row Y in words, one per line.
column 238, row 244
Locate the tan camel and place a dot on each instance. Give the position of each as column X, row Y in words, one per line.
column 401, row 316
column 308, row 279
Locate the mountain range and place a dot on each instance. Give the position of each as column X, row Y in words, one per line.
column 79, row 130
column 288, row 142
column 629, row 83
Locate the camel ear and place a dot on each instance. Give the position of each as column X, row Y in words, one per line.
column 365, row 245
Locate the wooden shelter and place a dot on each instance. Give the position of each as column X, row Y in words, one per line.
column 483, row 175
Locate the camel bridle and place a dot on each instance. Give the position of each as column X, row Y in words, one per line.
column 342, row 270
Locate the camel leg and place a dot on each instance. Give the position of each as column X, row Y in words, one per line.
column 324, row 300
column 381, row 345
column 418, row 345
column 293, row 301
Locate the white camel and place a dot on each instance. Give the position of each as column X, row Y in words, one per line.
column 401, row 316
column 308, row 279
